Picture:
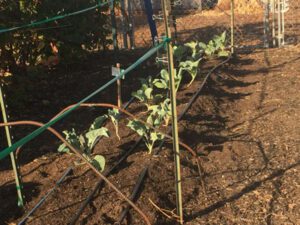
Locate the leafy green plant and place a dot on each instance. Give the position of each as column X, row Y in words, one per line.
column 194, row 46
column 191, row 67
column 216, row 46
column 180, row 52
column 75, row 37
column 149, row 135
column 114, row 116
column 144, row 94
column 86, row 141
column 163, row 82
column 162, row 112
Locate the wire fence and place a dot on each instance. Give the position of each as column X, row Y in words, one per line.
column 253, row 21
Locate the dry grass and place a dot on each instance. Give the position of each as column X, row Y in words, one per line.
column 241, row 6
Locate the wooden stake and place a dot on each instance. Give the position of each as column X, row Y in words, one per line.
column 119, row 88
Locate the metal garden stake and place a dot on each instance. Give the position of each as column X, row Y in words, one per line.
column 12, row 155
column 174, row 113
column 119, row 88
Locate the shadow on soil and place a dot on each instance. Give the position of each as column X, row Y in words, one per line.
column 8, row 207
column 251, row 187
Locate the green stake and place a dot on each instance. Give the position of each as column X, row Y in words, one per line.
column 12, row 156
column 174, row 114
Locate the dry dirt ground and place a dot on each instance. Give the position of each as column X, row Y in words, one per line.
column 245, row 125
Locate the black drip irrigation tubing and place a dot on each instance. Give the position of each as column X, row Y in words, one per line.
column 134, row 194
column 101, row 182
column 108, row 172
column 68, row 170
column 105, row 173
column 139, row 183
column 43, row 199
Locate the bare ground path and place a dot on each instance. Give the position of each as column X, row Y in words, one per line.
column 255, row 178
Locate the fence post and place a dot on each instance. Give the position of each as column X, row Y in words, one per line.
column 279, row 22
column 131, row 25
column 232, row 25
column 15, row 167
column 124, row 24
column 266, row 23
column 113, row 24
column 174, row 112
column 283, row 22
column 273, row 23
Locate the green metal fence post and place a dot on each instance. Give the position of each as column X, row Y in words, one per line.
column 174, row 114
column 12, row 156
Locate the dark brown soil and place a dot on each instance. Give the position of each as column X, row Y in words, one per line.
column 244, row 125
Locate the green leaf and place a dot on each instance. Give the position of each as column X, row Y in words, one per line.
column 150, row 120
column 99, row 162
column 202, row 45
column 191, row 67
column 98, row 122
column 114, row 116
column 73, row 138
column 179, row 52
column 139, row 95
column 91, row 136
column 193, row 46
column 63, row 148
column 137, row 126
column 148, row 93
column 164, row 75
column 160, row 83
column 149, row 145
column 153, row 136
column 223, row 53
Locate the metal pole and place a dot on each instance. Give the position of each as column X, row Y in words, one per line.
column 283, row 22
column 266, row 24
column 174, row 114
column 232, row 25
column 18, row 179
column 279, row 22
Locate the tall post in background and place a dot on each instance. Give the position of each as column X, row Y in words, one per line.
column 165, row 8
column 124, row 24
column 283, row 21
column 266, row 23
column 151, row 22
column 15, row 167
column 232, row 26
column 273, row 2
column 113, row 24
column 279, row 22
column 131, row 24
